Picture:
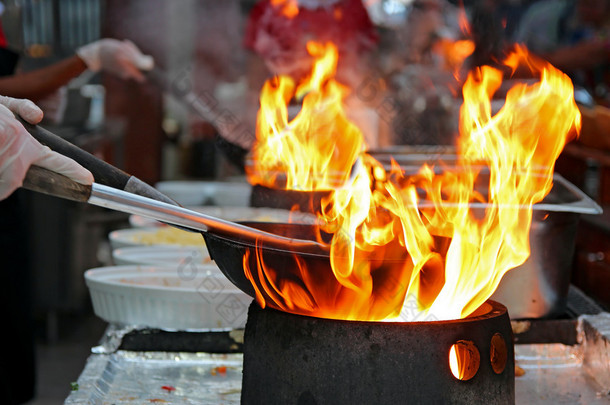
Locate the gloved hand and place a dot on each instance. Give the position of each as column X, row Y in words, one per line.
column 121, row 58
column 19, row 150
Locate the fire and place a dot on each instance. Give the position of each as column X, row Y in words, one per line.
column 288, row 8
column 434, row 245
column 317, row 148
column 455, row 53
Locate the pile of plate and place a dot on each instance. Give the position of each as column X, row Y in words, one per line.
column 164, row 278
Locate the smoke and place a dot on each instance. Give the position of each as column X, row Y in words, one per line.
column 198, row 43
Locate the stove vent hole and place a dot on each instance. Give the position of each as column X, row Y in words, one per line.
column 464, row 360
column 498, row 353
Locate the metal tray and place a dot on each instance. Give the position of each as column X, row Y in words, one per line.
column 128, row 377
column 553, row 374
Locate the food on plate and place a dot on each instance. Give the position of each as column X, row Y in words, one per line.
column 169, row 236
column 219, row 370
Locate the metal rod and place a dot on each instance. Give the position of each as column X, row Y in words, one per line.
column 119, row 200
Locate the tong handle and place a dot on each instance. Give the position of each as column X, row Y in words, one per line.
column 48, row 182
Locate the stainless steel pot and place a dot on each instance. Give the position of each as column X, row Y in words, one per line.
column 539, row 287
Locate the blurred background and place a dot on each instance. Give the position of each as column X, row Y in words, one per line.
column 193, row 118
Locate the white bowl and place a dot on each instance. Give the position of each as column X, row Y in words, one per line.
column 193, row 193
column 187, row 298
column 228, row 194
column 161, row 255
column 187, row 193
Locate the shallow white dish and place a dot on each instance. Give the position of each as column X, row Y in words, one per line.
column 188, row 298
column 161, row 255
column 234, row 214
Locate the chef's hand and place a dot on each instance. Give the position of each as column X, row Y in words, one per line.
column 121, row 58
column 19, row 150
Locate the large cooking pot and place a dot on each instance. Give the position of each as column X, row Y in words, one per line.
column 539, row 287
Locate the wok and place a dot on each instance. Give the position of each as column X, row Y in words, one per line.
column 290, row 252
column 307, row 270
column 45, row 181
column 295, row 254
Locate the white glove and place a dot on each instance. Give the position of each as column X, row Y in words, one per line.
column 19, row 150
column 121, row 58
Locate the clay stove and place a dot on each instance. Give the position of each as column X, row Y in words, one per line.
column 293, row 359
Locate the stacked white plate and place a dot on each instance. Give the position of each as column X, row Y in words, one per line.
column 164, row 277
column 188, row 297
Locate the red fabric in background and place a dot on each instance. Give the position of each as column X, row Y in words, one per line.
column 3, row 43
column 345, row 23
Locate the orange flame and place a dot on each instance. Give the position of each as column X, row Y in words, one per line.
column 455, row 53
column 433, row 244
column 288, row 8
column 316, row 149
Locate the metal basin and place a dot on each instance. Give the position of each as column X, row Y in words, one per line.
column 539, row 287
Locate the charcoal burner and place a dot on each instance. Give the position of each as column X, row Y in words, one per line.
column 293, row 359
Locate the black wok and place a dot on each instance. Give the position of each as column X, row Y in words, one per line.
column 309, row 273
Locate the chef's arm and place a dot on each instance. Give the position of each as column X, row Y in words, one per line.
column 39, row 83
column 120, row 58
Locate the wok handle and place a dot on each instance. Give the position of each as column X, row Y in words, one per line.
column 48, row 182
column 103, row 172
